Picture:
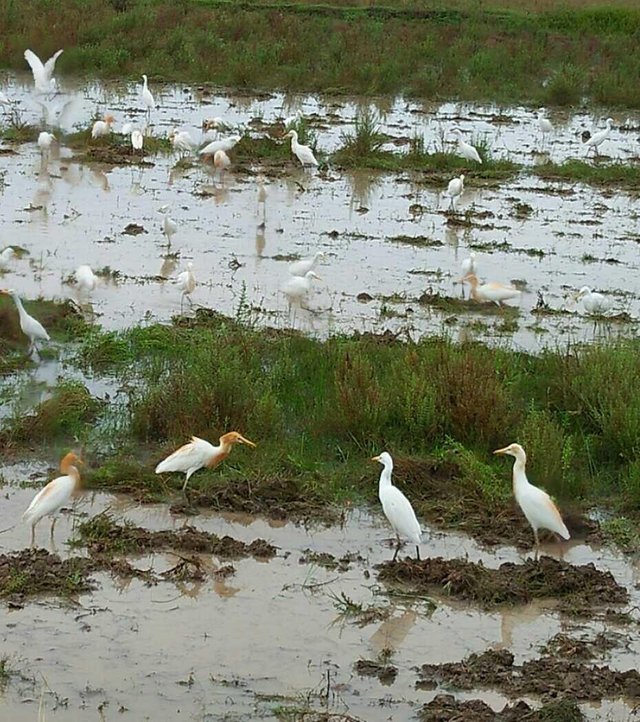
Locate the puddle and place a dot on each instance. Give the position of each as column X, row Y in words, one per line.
column 271, row 633
column 67, row 213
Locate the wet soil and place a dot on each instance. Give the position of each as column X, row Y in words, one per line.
column 103, row 536
column 547, row 677
column 547, row 578
column 446, row 708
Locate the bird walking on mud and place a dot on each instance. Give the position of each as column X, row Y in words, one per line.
column 302, row 152
column 199, row 453
column 50, row 500
column 396, row 507
column 454, row 190
column 186, row 283
column 536, row 504
column 466, row 150
column 597, row 139
column 594, row 302
column 497, row 293
column 30, row 327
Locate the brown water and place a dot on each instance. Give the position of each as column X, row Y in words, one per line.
column 67, row 213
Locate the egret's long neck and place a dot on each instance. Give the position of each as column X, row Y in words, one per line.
column 21, row 312
column 519, row 474
column 385, row 476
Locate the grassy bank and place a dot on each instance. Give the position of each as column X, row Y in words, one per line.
column 433, row 50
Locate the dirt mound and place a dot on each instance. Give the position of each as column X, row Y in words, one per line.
column 103, row 536
column 445, row 708
column 546, row 578
column 386, row 673
column 549, row 677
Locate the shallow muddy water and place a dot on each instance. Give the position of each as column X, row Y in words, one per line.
column 387, row 239
column 271, row 635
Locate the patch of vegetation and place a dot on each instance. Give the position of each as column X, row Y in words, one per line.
column 621, row 174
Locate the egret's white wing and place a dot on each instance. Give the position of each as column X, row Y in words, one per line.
column 541, row 512
column 399, row 512
column 37, row 68
column 50, row 65
column 50, row 499
column 192, row 455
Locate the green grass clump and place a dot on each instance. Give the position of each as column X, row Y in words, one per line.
column 594, row 173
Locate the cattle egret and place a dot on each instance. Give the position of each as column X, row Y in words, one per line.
column 302, row 267
column 86, row 279
column 102, row 127
column 221, row 160
column 298, row 287
column 225, row 144
column 302, row 152
column 593, row 301
column 199, row 453
column 31, row 328
column 186, row 282
column 182, row 141
column 396, row 507
column 147, row 99
column 466, row 150
column 469, row 265
column 43, row 74
column 545, row 125
column 44, row 142
column 137, row 139
column 169, row 226
column 496, row 292
column 454, row 189
column 50, row 500
column 6, row 256
column 536, row 504
column 598, row 138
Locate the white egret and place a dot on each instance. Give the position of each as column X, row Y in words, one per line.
column 43, row 74
column 44, row 142
column 262, row 195
column 545, row 125
column 225, row 144
column 31, row 328
column 396, row 507
column 186, row 282
column 169, row 226
column 466, row 150
column 297, row 288
column 181, row 141
column 302, row 152
column 147, row 98
column 102, row 127
column 6, row 256
column 454, row 189
column 86, row 279
column 303, row 266
column 491, row 291
column 292, row 119
column 137, row 139
column 199, row 453
column 221, row 160
column 536, row 504
column 598, row 138
column 469, row 265
column 50, row 500
column 213, row 124
column 593, row 301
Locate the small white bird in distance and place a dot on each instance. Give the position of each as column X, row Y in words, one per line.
column 102, row 127
column 397, row 508
column 169, row 226
column 297, row 288
column 466, row 150
column 30, row 327
column 43, row 74
column 454, row 190
column 186, row 283
column 469, row 266
column 497, row 293
column 181, row 141
column 593, row 301
column 302, row 152
column 545, row 125
column 6, row 256
column 137, row 139
column 147, row 98
column 225, row 144
column 596, row 140
column 304, row 265
column 44, row 142
column 86, row 279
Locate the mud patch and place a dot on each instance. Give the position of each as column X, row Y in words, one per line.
column 328, row 561
column 446, row 708
column 562, row 645
column 385, row 672
column 103, row 536
column 547, row 676
column 577, row 586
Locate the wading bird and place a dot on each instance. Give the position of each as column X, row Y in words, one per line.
column 199, row 453
column 186, row 282
column 536, row 504
column 495, row 292
column 545, row 125
column 147, row 98
column 43, row 74
column 86, row 279
column 137, row 139
column 102, row 127
column 50, row 500
column 262, row 195
column 466, row 150
column 181, row 141
column 44, row 142
column 225, row 144
column 454, row 189
column 303, row 266
column 302, row 152
column 31, row 328
column 297, row 288
column 469, row 266
column 6, row 256
column 593, row 301
column 596, row 140
column 221, row 160
column 396, row 507
column 169, row 226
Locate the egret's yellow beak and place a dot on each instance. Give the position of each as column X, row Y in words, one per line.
column 242, row 440
column 501, row 451
column 375, row 458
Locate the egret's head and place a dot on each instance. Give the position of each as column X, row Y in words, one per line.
column 461, row 177
column 144, row 77
column 7, row 292
column 71, row 459
column 234, row 437
column 584, row 291
column 320, row 256
column 163, row 209
column 384, row 458
column 457, row 131
column 291, row 134
column 312, row 274
column 609, row 121
column 471, row 279
column 109, row 119
column 513, row 450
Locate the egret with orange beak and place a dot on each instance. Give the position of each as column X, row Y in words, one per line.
column 199, row 453
column 396, row 507
column 50, row 500
column 536, row 504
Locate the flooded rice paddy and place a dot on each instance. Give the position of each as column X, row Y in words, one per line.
column 251, row 638
column 393, row 253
